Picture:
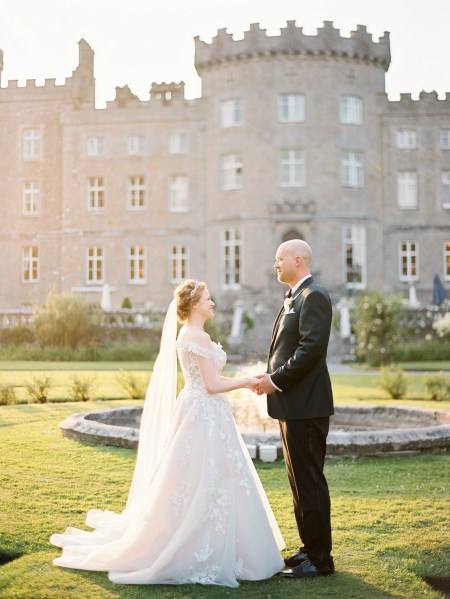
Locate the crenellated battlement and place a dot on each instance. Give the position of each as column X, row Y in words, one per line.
column 426, row 103
column 292, row 41
column 80, row 84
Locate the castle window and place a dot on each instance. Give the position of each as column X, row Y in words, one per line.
column 30, row 264
column 137, row 265
column 354, row 259
column 408, row 261
column 231, row 258
column 178, row 263
column 135, row 145
column 445, row 178
column 32, row 144
column 352, row 169
column 291, row 108
column 232, row 172
column 95, row 146
column 406, row 139
column 351, row 110
column 95, row 265
column 178, row 143
column 445, row 139
column 292, row 168
column 30, row 198
column 231, row 113
column 407, row 190
column 178, row 193
column 447, row 260
column 95, row 194
column 136, row 193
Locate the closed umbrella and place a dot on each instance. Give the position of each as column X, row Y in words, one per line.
column 105, row 302
column 439, row 293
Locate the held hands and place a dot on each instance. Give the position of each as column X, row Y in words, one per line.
column 263, row 384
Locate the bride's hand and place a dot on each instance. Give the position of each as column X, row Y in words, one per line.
column 252, row 383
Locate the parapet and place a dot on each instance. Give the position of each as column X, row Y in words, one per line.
column 167, row 91
column 428, row 102
column 80, row 86
column 292, row 41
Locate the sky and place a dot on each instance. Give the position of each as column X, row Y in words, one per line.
column 137, row 42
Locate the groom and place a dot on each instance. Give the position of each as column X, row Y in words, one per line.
column 299, row 395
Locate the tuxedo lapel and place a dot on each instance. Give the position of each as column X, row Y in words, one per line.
column 276, row 326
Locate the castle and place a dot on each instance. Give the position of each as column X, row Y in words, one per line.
column 293, row 136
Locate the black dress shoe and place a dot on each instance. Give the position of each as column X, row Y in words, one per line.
column 296, row 559
column 308, row 570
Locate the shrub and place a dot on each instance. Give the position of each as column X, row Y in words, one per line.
column 7, row 394
column 38, row 389
column 126, row 304
column 437, row 386
column 17, row 335
column 64, row 321
column 131, row 385
column 393, row 381
column 421, row 350
column 375, row 319
column 80, row 388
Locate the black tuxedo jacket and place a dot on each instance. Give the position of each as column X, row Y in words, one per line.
column 297, row 357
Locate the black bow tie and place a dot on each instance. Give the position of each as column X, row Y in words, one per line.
column 288, row 293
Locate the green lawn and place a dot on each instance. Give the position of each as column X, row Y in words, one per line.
column 390, row 516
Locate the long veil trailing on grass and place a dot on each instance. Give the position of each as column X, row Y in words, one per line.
column 154, row 430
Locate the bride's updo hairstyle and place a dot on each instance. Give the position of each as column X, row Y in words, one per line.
column 187, row 294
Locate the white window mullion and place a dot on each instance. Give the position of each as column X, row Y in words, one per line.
column 408, row 261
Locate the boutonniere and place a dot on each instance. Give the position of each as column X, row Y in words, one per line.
column 288, row 305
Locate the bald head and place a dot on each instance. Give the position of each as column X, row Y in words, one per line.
column 293, row 260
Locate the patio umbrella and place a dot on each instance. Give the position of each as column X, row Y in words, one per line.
column 413, row 301
column 105, row 302
column 439, row 293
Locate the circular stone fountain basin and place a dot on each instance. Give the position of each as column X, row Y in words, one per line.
column 354, row 430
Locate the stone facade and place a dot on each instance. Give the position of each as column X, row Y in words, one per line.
column 293, row 136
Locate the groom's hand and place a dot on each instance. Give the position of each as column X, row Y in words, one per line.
column 265, row 384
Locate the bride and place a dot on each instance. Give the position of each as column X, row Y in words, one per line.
column 196, row 510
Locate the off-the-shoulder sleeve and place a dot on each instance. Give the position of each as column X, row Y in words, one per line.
column 195, row 348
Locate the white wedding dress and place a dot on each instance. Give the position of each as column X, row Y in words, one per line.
column 206, row 519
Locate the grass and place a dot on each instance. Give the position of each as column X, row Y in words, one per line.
column 390, row 517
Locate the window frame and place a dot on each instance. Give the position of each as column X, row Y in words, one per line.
column 134, row 265
column 228, row 259
column 93, row 192
column 352, row 169
column 232, row 163
column 401, row 203
column 30, row 264
column 231, row 113
column 95, row 261
column 445, row 188
column 32, row 143
column 287, row 108
column 412, row 260
column 178, row 195
column 95, row 146
column 32, row 196
column 446, row 259
column 296, row 165
column 179, row 263
column 358, row 243
column 406, row 139
column 140, row 188
column 353, row 112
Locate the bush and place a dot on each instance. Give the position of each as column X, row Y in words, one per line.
column 375, row 319
column 7, row 394
column 17, row 335
column 80, row 388
column 131, row 385
column 38, row 389
column 64, row 321
column 437, row 386
column 419, row 351
column 126, row 304
column 393, row 381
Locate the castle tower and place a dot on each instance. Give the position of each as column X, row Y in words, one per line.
column 295, row 119
column 83, row 75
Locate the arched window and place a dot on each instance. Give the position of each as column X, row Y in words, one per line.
column 292, row 234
